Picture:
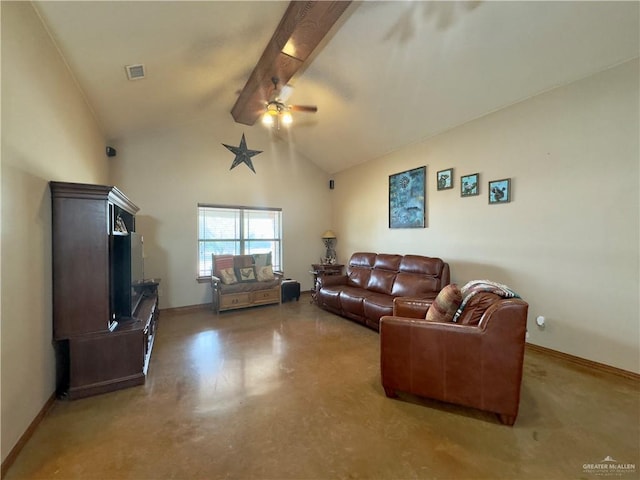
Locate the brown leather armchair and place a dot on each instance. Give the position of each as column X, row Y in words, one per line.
column 476, row 362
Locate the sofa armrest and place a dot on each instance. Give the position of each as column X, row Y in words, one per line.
column 328, row 280
column 215, row 293
column 411, row 307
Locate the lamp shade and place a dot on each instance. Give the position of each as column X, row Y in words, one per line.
column 329, row 234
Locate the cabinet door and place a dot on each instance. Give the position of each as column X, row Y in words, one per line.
column 80, row 267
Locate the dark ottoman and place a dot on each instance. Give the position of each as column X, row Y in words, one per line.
column 290, row 290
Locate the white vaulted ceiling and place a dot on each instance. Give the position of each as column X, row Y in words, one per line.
column 388, row 74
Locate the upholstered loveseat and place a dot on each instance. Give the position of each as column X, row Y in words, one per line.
column 372, row 281
column 240, row 281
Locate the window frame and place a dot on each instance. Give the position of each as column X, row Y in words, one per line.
column 241, row 209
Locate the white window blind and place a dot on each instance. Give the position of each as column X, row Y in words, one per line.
column 238, row 231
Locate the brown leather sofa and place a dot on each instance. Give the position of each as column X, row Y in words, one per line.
column 476, row 362
column 366, row 292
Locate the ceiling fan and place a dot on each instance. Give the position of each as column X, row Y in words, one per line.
column 301, row 29
column 277, row 111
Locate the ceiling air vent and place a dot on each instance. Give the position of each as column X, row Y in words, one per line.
column 135, row 72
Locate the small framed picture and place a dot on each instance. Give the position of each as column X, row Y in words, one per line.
column 500, row 191
column 445, row 179
column 469, row 185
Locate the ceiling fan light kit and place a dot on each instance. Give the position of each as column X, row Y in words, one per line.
column 276, row 113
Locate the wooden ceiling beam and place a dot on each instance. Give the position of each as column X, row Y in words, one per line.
column 300, row 31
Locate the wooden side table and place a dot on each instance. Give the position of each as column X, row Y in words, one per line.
column 319, row 270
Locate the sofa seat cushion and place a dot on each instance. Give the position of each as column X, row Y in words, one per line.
column 352, row 298
column 376, row 306
column 249, row 286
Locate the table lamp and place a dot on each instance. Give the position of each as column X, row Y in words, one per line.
column 329, row 239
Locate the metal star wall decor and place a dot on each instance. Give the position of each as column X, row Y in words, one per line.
column 243, row 154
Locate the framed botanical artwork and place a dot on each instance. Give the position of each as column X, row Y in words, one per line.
column 500, row 191
column 445, row 179
column 407, row 194
column 469, row 185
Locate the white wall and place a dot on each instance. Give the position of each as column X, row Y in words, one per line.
column 568, row 242
column 168, row 173
column 48, row 133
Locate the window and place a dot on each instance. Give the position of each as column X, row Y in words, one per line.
column 238, row 231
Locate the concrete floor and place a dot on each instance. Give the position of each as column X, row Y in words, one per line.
column 293, row 392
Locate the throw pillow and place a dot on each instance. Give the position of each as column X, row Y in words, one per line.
column 222, row 262
column 247, row 274
column 228, row 276
column 265, row 273
column 243, row 261
column 262, row 259
column 445, row 305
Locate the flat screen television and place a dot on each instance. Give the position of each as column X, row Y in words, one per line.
column 137, row 269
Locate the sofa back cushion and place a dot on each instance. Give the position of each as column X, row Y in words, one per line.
column 414, row 285
column 220, row 263
column 423, row 265
column 383, row 274
column 476, row 306
column 384, row 261
column 261, row 259
column 397, row 275
column 242, row 261
column 419, row 275
column 359, row 269
column 381, row 281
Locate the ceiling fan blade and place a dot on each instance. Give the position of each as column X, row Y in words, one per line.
column 285, row 93
column 303, row 108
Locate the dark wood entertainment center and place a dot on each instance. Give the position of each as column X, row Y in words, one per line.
column 103, row 323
